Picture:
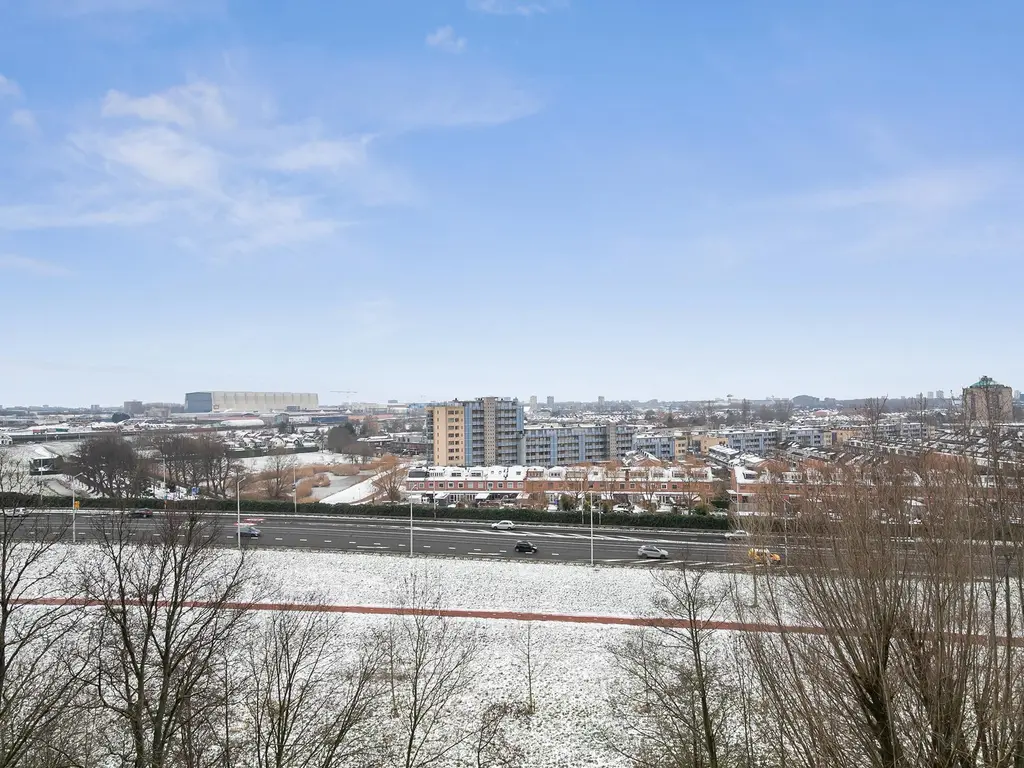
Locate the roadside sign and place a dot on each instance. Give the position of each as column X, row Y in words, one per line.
column 195, row 491
column 78, row 504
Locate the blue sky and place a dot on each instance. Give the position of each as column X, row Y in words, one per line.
column 426, row 199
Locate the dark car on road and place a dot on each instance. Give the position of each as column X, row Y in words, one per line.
column 525, row 546
column 140, row 513
column 249, row 532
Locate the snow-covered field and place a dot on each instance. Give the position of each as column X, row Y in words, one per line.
column 353, row 494
column 376, row 580
column 261, row 463
column 572, row 721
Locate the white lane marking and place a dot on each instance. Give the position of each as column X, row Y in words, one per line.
column 554, row 554
column 301, row 539
column 327, row 541
column 376, row 543
column 426, row 546
column 503, row 551
column 452, row 548
column 368, row 547
column 476, row 550
column 351, row 542
column 278, row 538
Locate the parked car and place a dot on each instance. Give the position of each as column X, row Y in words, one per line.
column 652, row 550
column 623, row 508
column 503, row 525
column 764, row 556
column 140, row 513
column 738, row 533
column 249, row 532
column 525, row 546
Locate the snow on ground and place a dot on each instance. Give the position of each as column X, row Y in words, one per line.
column 261, row 463
column 353, row 494
column 376, row 580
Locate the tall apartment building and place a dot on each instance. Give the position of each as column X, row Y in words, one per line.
column 987, row 400
column 659, row 445
column 487, row 432
column 550, row 445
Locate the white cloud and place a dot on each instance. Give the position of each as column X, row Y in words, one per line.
column 159, row 154
column 198, row 104
column 37, row 267
column 445, row 39
column 321, row 154
column 516, row 7
column 24, row 119
column 926, row 191
column 8, row 87
column 29, row 217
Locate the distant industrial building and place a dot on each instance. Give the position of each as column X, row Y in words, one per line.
column 551, row 400
column 486, row 431
column 134, row 407
column 988, row 401
column 215, row 402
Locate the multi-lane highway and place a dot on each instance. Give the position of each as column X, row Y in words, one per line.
column 433, row 538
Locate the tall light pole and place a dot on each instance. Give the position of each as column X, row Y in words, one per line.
column 238, row 510
column 295, row 492
column 74, row 510
column 591, row 528
column 410, row 527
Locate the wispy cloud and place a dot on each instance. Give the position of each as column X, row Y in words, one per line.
column 317, row 154
column 8, row 87
column 24, row 119
column 445, row 39
column 198, row 104
column 168, row 160
column 933, row 190
column 39, row 268
column 516, row 7
column 78, row 8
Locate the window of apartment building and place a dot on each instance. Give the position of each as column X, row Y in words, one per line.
column 501, row 486
column 451, row 485
column 632, row 486
column 622, row 486
column 460, row 485
column 490, row 486
column 664, row 486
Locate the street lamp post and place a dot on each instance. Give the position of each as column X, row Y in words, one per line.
column 74, row 510
column 410, row 527
column 591, row 529
column 295, row 493
column 238, row 511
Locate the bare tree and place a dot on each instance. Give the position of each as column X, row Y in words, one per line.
column 872, row 411
column 39, row 678
column 111, row 465
column 528, row 653
column 430, row 663
column 169, row 610
column 277, row 475
column 492, row 747
column 913, row 663
column 675, row 698
column 390, row 480
column 306, row 707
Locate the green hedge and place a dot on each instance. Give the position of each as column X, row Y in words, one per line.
column 381, row 510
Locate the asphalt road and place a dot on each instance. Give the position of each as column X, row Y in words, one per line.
column 432, row 538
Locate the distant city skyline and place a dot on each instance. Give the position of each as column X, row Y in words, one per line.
column 424, row 199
